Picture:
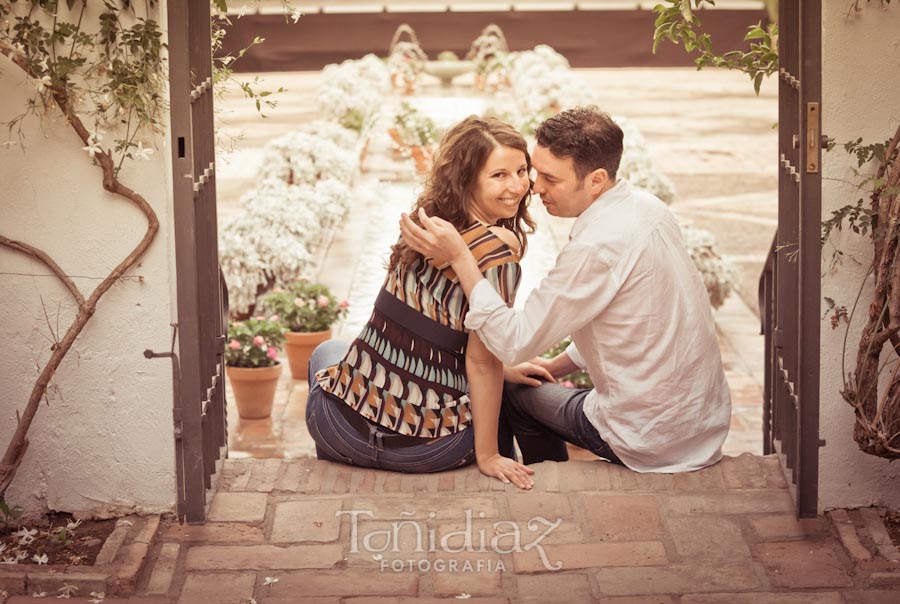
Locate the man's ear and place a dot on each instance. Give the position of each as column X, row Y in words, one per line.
column 599, row 178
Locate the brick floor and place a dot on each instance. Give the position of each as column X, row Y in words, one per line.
column 648, row 540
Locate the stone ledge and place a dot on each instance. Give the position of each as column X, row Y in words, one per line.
column 891, row 580
column 848, row 536
column 116, row 574
column 873, row 527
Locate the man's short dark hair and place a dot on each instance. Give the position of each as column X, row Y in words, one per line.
column 587, row 135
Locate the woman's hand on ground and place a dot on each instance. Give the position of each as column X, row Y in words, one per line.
column 436, row 238
column 507, row 470
column 529, row 373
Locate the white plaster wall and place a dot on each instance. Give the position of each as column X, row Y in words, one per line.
column 104, row 443
column 860, row 60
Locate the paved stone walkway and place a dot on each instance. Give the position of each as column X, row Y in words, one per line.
column 337, row 533
column 313, row 532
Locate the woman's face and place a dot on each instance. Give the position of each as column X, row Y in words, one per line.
column 500, row 187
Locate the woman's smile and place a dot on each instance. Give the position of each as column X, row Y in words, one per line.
column 501, row 186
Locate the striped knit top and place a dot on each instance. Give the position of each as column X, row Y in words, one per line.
column 406, row 371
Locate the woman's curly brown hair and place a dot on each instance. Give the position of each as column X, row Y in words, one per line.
column 460, row 157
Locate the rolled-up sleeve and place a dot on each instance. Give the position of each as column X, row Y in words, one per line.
column 572, row 353
column 575, row 291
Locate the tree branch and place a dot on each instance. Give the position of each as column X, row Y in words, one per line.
column 42, row 256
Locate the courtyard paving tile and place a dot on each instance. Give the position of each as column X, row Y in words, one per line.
column 624, row 538
column 650, row 539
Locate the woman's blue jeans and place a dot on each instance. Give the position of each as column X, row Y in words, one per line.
column 337, row 440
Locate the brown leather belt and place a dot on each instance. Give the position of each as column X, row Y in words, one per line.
column 369, row 430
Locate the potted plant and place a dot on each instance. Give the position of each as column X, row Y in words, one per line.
column 489, row 53
column 406, row 59
column 251, row 363
column 417, row 133
column 308, row 310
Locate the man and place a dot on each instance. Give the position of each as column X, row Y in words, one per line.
column 629, row 294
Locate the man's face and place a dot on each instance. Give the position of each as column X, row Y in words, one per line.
column 561, row 191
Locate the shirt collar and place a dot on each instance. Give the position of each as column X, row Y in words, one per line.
column 619, row 192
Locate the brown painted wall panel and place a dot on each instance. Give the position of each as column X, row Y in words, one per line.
column 603, row 38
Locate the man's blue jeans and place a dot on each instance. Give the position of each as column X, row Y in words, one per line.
column 337, row 440
column 543, row 419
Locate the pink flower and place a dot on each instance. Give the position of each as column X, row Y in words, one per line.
column 272, row 353
column 273, row 318
column 299, row 302
column 259, row 341
column 277, row 290
column 567, row 384
column 323, row 301
column 344, row 304
column 260, row 318
column 234, row 344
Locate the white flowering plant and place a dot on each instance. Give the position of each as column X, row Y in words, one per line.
column 43, row 544
column 305, row 307
column 302, row 194
column 415, row 129
column 639, row 171
column 541, row 79
column 489, row 51
column 269, row 242
column 352, row 92
column 637, row 166
column 298, row 157
column 339, row 135
column 406, row 61
column 525, row 122
column 373, row 71
column 718, row 273
column 254, row 342
column 329, row 200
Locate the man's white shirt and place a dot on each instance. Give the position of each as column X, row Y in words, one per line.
column 626, row 290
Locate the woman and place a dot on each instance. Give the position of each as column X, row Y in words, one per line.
column 415, row 392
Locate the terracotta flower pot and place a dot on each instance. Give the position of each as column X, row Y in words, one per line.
column 299, row 346
column 395, row 136
column 363, row 152
column 254, row 389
